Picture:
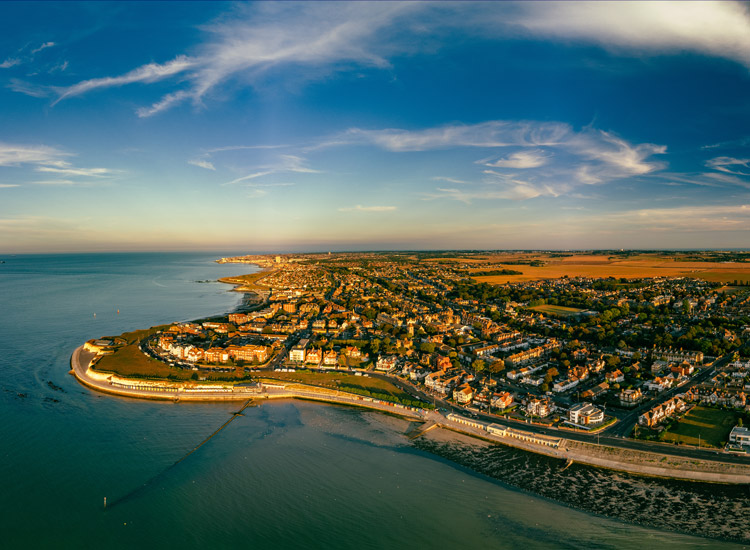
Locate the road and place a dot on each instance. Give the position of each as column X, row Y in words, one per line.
column 81, row 359
column 626, row 423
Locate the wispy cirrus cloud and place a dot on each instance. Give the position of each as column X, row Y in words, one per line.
column 247, row 45
column 163, row 104
column 520, row 160
column 42, row 159
column 152, row 72
column 360, row 208
column 263, row 37
column 66, row 169
column 10, row 62
column 285, row 164
column 16, row 155
column 24, row 55
column 554, row 157
column 449, row 180
column 202, row 164
column 494, row 133
column 42, row 47
column 720, row 29
column 738, row 167
column 26, row 88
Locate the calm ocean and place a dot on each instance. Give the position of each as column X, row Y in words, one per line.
column 285, row 475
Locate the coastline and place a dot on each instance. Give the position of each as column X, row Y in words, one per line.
column 653, row 464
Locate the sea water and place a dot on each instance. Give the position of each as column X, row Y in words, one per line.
column 287, row 474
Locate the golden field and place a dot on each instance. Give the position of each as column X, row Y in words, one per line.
column 601, row 266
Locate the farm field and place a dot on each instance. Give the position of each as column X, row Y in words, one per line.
column 709, row 426
column 600, row 266
column 561, row 311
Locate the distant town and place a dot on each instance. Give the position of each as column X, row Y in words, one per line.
column 649, row 358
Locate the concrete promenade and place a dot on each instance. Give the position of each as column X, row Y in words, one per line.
column 659, row 464
column 81, row 359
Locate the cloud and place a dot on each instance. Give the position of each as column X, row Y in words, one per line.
column 510, row 193
column 554, row 156
column 360, row 208
column 249, row 43
column 42, row 47
column 55, row 182
column 495, row 133
column 680, row 218
column 449, row 180
column 521, row 159
column 59, row 68
column 263, row 37
column 202, row 164
column 49, row 160
column 243, row 147
column 65, row 169
column 286, row 163
column 17, row 155
column 10, row 62
column 164, row 103
column 616, row 157
column 151, row 72
column 28, row 89
column 727, row 164
column 250, row 177
column 742, row 142
column 728, row 179
column 257, row 189
column 8, row 185
column 720, row 29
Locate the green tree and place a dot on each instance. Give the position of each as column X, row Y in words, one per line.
column 427, row 347
column 478, row 365
column 497, row 366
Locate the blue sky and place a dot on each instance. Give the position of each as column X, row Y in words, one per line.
column 336, row 126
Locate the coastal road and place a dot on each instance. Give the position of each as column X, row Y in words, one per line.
column 586, row 437
column 81, row 359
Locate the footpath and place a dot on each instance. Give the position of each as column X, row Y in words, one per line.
column 570, row 451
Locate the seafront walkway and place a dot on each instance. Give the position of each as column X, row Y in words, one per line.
column 108, row 383
column 616, row 455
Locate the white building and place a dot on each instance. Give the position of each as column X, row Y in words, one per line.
column 740, row 436
column 585, row 414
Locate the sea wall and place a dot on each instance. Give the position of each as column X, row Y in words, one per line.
column 658, row 464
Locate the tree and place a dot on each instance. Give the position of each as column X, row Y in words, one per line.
column 375, row 345
column 478, row 365
column 427, row 347
column 497, row 366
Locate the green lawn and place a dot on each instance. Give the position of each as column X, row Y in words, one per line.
column 129, row 360
column 562, row 311
column 712, row 425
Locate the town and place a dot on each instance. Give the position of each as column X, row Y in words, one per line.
column 661, row 358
